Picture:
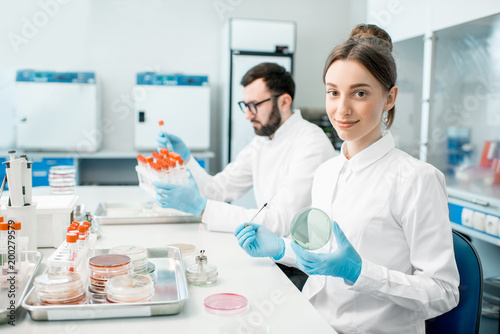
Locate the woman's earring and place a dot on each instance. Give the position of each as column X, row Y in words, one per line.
column 386, row 117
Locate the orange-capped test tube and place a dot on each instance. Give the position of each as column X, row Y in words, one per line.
column 157, row 156
column 164, row 130
column 165, row 152
column 141, row 160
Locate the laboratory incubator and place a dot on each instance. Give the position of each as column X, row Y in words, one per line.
column 58, row 111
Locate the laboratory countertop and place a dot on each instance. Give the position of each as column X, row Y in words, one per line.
column 275, row 303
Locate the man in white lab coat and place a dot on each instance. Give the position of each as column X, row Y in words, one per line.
column 279, row 162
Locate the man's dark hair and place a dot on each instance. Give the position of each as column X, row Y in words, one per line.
column 277, row 79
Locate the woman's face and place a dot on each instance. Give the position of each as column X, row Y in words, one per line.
column 355, row 102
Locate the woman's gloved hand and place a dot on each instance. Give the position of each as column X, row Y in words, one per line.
column 258, row 241
column 177, row 143
column 344, row 262
column 183, row 197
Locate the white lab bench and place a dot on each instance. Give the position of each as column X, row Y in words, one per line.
column 274, row 301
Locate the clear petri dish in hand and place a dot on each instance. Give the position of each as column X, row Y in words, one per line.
column 311, row 228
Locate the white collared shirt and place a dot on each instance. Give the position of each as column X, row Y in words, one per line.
column 284, row 165
column 393, row 209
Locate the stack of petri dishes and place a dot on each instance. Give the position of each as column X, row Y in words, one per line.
column 129, row 289
column 60, row 289
column 151, row 272
column 103, row 268
column 138, row 255
column 62, row 180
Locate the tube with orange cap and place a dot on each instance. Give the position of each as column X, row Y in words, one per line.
column 164, row 131
column 71, row 239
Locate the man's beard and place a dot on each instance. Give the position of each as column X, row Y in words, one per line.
column 272, row 124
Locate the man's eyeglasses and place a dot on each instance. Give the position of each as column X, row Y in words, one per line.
column 253, row 106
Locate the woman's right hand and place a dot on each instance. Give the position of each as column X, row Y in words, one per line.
column 258, row 241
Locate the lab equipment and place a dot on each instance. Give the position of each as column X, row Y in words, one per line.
column 187, row 251
column 58, row 111
column 131, row 288
column 184, row 197
column 20, row 206
column 258, row 241
column 343, row 262
column 263, row 206
column 181, row 101
column 110, row 213
column 249, row 42
column 457, row 138
column 166, row 166
column 311, row 228
column 95, row 226
column 151, row 272
column 62, row 180
column 138, row 255
column 163, row 130
column 171, row 293
column 60, row 289
column 201, row 273
column 103, row 268
column 226, row 304
column 178, row 145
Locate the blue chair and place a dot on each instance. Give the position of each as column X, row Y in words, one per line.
column 465, row 318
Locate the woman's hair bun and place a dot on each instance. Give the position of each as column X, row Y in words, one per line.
column 371, row 30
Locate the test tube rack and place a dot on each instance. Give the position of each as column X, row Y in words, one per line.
column 60, row 259
column 147, row 176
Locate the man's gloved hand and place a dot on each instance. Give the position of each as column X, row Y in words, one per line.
column 344, row 262
column 177, row 144
column 183, row 197
column 258, row 241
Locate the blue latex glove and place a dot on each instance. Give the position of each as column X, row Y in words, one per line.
column 344, row 262
column 177, row 143
column 258, row 241
column 183, row 197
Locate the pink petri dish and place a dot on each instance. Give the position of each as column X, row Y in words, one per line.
column 226, row 304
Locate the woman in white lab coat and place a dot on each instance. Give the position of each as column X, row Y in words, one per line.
column 391, row 264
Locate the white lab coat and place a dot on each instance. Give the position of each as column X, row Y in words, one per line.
column 393, row 209
column 284, row 166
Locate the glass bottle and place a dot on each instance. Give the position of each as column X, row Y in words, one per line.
column 200, row 273
column 95, row 227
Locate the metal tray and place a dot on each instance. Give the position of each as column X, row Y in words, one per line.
column 139, row 213
column 34, row 259
column 170, row 294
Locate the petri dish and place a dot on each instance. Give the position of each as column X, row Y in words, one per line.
column 130, row 289
column 311, row 228
column 61, row 288
column 138, row 255
column 226, row 304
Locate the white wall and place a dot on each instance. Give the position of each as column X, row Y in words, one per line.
column 409, row 18
column 118, row 38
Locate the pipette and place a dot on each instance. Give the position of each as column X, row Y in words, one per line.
column 265, row 204
column 164, row 130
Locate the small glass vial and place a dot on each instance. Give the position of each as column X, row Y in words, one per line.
column 200, row 273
